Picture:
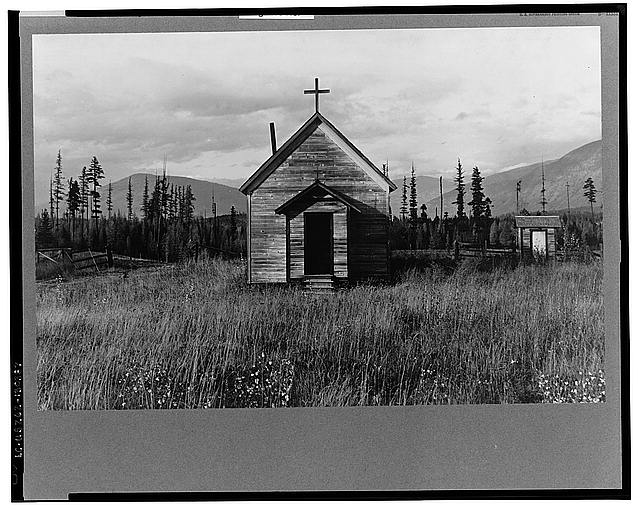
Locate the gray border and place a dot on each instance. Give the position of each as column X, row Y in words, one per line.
column 402, row 448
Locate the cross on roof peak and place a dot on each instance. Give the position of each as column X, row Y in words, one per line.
column 317, row 91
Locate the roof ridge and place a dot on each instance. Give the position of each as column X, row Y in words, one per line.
column 315, row 120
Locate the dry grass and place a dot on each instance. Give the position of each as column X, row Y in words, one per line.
column 197, row 336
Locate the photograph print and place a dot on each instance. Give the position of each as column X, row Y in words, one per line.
column 318, row 218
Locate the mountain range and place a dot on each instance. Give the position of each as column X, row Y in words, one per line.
column 572, row 168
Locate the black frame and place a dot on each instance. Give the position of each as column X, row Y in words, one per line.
column 16, row 303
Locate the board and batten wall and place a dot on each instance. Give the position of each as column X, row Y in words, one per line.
column 367, row 230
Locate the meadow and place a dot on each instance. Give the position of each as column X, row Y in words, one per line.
column 195, row 335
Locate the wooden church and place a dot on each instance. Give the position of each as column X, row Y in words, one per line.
column 318, row 210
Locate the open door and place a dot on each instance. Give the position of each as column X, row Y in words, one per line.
column 539, row 243
column 318, row 243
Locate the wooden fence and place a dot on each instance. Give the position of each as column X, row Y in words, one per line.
column 461, row 251
column 66, row 258
column 91, row 259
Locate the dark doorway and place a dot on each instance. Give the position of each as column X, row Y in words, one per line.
column 318, row 243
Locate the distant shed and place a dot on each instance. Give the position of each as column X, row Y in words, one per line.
column 536, row 236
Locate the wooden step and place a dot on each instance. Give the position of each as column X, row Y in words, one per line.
column 323, row 283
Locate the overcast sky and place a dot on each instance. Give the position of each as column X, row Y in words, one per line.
column 496, row 98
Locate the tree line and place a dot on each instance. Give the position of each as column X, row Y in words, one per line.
column 418, row 231
column 165, row 228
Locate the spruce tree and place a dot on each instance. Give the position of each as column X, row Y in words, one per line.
column 52, row 201
column 189, row 198
column 403, row 206
column 590, row 193
column 129, row 201
column 172, row 199
column 73, row 203
column 164, row 193
column 459, row 181
column 44, row 236
column 109, row 201
column 487, row 207
column 145, row 199
column 84, row 197
column 58, row 186
column 478, row 205
column 96, row 174
column 413, row 197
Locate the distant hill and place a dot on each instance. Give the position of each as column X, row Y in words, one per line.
column 574, row 167
column 226, row 196
column 232, row 183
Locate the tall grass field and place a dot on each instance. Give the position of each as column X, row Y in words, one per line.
column 197, row 336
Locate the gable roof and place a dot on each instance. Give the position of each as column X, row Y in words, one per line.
column 310, row 190
column 538, row 222
column 287, row 148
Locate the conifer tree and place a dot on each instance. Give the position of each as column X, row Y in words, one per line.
column 154, row 205
column 52, row 201
column 73, row 203
column 84, row 196
column 44, row 236
column 58, row 186
column 189, row 198
column 487, row 207
column 164, row 193
column 459, row 181
column 172, row 203
column 478, row 205
column 96, row 174
column 590, row 193
column 145, row 199
column 404, row 206
column 413, row 197
column 109, row 201
column 129, row 201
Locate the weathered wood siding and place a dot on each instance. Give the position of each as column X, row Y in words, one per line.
column 526, row 240
column 367, row 231
column 296, row 239
column 551, row 242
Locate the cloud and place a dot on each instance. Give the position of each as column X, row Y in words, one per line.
column 205, row 100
